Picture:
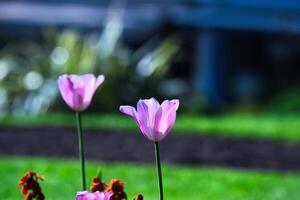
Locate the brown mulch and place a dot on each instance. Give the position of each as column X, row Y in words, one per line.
column 118, row 146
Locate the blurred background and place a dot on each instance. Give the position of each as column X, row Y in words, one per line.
column 234, row 65
column 215, row 56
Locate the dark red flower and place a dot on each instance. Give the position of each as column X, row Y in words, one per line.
column 117, row 187
column 97, row 185
column 30, row 186
column 138, row 197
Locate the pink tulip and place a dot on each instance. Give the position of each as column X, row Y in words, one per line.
column 154, row 120
column 93, row 196
column 78, row 90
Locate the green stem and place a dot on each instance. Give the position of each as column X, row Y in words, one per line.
column 81, row 149
column 157, row 156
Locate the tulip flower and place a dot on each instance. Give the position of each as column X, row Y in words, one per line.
column 155, row 122
column 93, row 196
column 78, row 91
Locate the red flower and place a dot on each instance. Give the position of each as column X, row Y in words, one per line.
column 97, row 185
column 117, row 187
column 30, row 186
column 138, row 197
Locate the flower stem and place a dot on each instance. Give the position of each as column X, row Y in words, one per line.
column 157, row 155
column 81, row 149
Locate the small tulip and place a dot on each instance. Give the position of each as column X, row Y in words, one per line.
column 154, row 120
column 93, row 196
column 78, row 90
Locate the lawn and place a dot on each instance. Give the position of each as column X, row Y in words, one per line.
column 263, row 126
column 181, row 183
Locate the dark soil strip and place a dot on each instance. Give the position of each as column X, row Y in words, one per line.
column 115, row 146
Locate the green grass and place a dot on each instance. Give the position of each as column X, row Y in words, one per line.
column 276, row 127
column 180, row 183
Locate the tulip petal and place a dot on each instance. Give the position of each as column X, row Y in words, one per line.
column 100, row 79
column 168, row 105
column 80, row 86
column 130, row 111
column 170, row 114
column 89, row 81
column 143, row 119
column 157, row 134
column 66, row 89
column 81, row 195
column 108, row 195
column 153, row 107
column 84, row 195
column 142, row 113
column 91, row 84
